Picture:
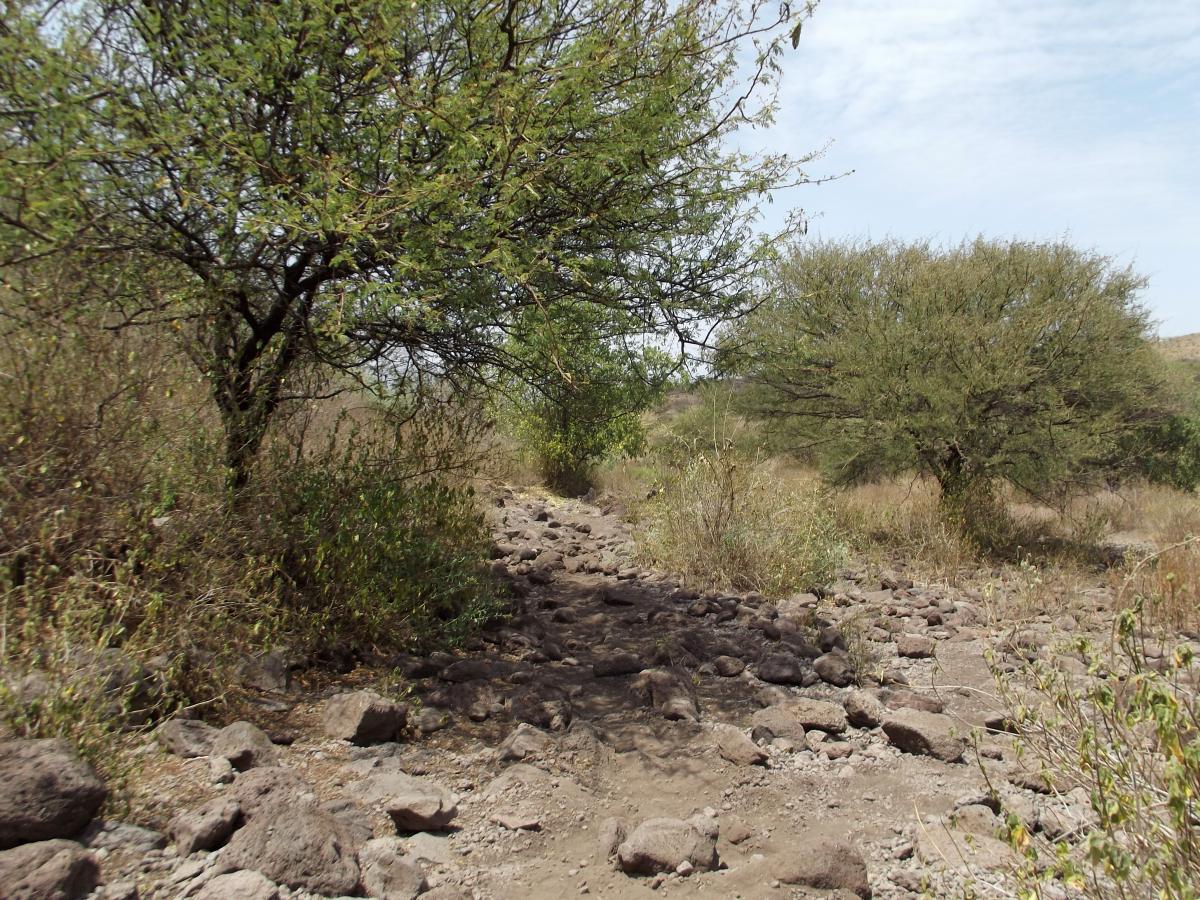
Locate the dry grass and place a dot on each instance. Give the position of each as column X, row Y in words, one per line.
column 1184, row 347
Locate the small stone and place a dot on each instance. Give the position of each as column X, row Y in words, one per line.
column 245, row 746
column 364, row 717
column 914, row 646
column 387, row 873
column 924, row 733
column 206, row 827
column 835, row 668
column 188, row 738
column 244, row 885
column 660, row 845
column 414, row 804
column 220, row 770
column 864, row 710
column 738, row 749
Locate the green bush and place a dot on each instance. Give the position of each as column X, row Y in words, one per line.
column 375, row 558
column 723, row 521
column 1128, row 735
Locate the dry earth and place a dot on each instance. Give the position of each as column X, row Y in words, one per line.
column 613, row 697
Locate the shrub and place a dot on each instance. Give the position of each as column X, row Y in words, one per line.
column 373, row 558
column 721, row 521
column 1128, row 734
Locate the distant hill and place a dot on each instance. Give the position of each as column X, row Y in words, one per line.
column 1186, row 347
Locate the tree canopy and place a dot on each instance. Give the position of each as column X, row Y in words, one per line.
column 991, row 361
column 384, row 182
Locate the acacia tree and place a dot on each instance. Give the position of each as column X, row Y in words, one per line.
column 389, row 182
column 984, row 363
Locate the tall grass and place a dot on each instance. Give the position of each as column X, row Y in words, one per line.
column 131, row 585
column 724, row 521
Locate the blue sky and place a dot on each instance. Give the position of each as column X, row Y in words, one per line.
column 1037, row 119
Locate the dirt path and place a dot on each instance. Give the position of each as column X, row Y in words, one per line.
column 614, row 697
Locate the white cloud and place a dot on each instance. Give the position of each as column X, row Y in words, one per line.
column 1023, row 117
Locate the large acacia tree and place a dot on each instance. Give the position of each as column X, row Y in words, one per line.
column 389, row 182
column 988, row 362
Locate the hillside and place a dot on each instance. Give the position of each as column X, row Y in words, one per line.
column 1185, row 347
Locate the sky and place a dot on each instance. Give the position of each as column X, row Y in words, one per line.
column 1037, row 119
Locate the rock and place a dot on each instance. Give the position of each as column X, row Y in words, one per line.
column 738, row 749
column 617, row 664
column 914, row 646
column 1029, row 779
column 660, row 845
column 524, row 741
column 776, row 722
column 431, row 849
column 611, row 834
column 186, row 737
column 735, row 830
column 939, row 846
column 269, row 672
column 670, row 692
column 108, row 835
column 46, row 791
column 819, row 714
column 245, row 746
column 975, row 818
column 48, row 870
column 835, row 668
column 903, row 699
column 476, row 669
column 299, row 846
column 728, row 666
column 387, row 873
column 864, row 710
column 364, row 717
column 206, row 827
column 446, row 892
column 516, row 822
column 430, row 720
column 243, row 885
column 923, row 733
column 220, row 770
column 415, row 804
column 827, row 865
column 268, row 786
column 783, row 668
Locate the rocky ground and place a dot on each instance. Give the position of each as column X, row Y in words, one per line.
column 620, row 737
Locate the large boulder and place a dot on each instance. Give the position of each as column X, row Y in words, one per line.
column 661, row 845
column 245, row 746
column 46, row 791
column 300, row 846
column 924, row 733
column 48, row 870
column 364, row 717
column 414, row 804
column 827, row 865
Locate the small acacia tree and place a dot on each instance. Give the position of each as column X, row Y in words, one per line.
column 988, row 362
column 581, row 390
column 353, row 182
